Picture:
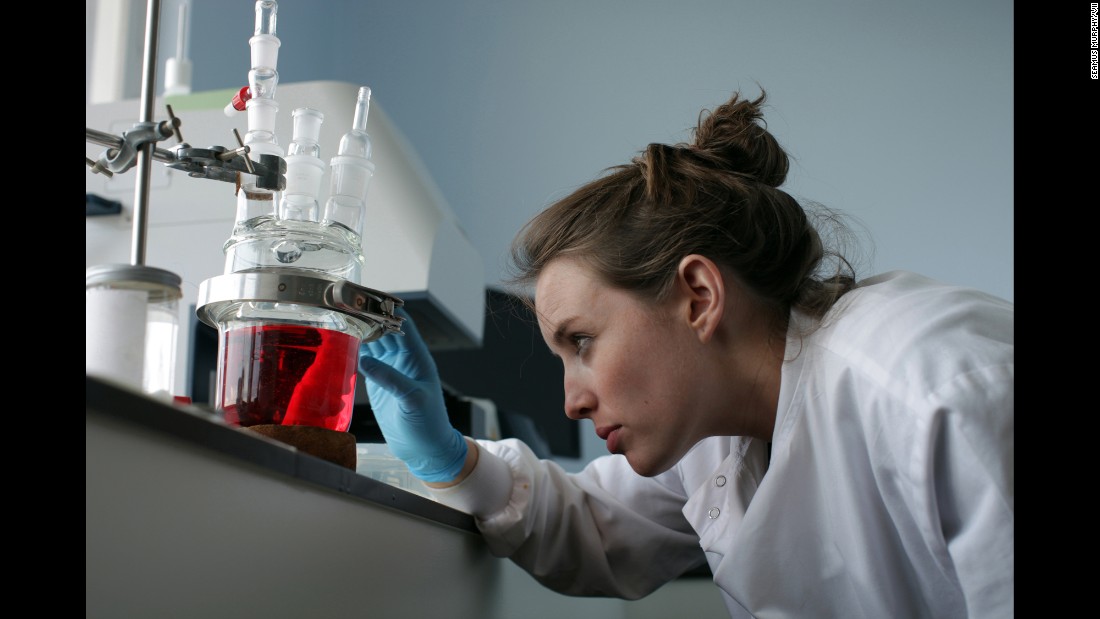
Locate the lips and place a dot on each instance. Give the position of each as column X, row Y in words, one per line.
column 611, row 435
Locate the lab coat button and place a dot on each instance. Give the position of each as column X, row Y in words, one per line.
column 713, row 513
column 720, row 481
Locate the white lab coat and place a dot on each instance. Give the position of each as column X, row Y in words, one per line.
column 889, row 491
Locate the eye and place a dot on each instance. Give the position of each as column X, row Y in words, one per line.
column 580, row 342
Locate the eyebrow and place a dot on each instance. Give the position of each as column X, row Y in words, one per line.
column 563, row 326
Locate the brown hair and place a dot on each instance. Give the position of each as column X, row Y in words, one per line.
column 718, row 196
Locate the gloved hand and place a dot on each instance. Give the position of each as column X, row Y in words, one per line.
column 407, row 398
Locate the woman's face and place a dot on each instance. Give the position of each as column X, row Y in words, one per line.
column 630, row 367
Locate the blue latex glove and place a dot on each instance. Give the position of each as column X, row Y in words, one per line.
column 407, row 398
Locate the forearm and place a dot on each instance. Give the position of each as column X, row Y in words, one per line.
column 569, row 532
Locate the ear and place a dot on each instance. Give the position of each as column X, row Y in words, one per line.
column 704, row 293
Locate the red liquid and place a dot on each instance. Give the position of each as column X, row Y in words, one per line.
column 288, row 375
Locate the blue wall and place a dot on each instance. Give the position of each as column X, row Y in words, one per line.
column 898, row 113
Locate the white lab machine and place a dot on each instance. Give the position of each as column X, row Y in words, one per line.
column 413, row 246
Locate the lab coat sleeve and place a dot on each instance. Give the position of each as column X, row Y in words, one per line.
column 973, row 476
column 605, row 531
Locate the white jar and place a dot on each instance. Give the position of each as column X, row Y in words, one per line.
column 131, row 327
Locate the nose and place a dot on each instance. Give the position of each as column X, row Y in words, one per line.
column 580, row 401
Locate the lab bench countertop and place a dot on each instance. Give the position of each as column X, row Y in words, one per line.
column 202, row 428
column 187, row 516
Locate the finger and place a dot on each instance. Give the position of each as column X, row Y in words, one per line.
column 386, row 377
column 376, row 348
column 410, row 333
column 391, row 342
column 382, row 345
column 407, row 353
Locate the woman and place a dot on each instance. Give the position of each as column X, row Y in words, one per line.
column 831, row 448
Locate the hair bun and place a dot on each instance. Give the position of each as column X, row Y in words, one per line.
column 734, row 137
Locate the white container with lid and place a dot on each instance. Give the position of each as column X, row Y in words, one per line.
column 131, row 326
